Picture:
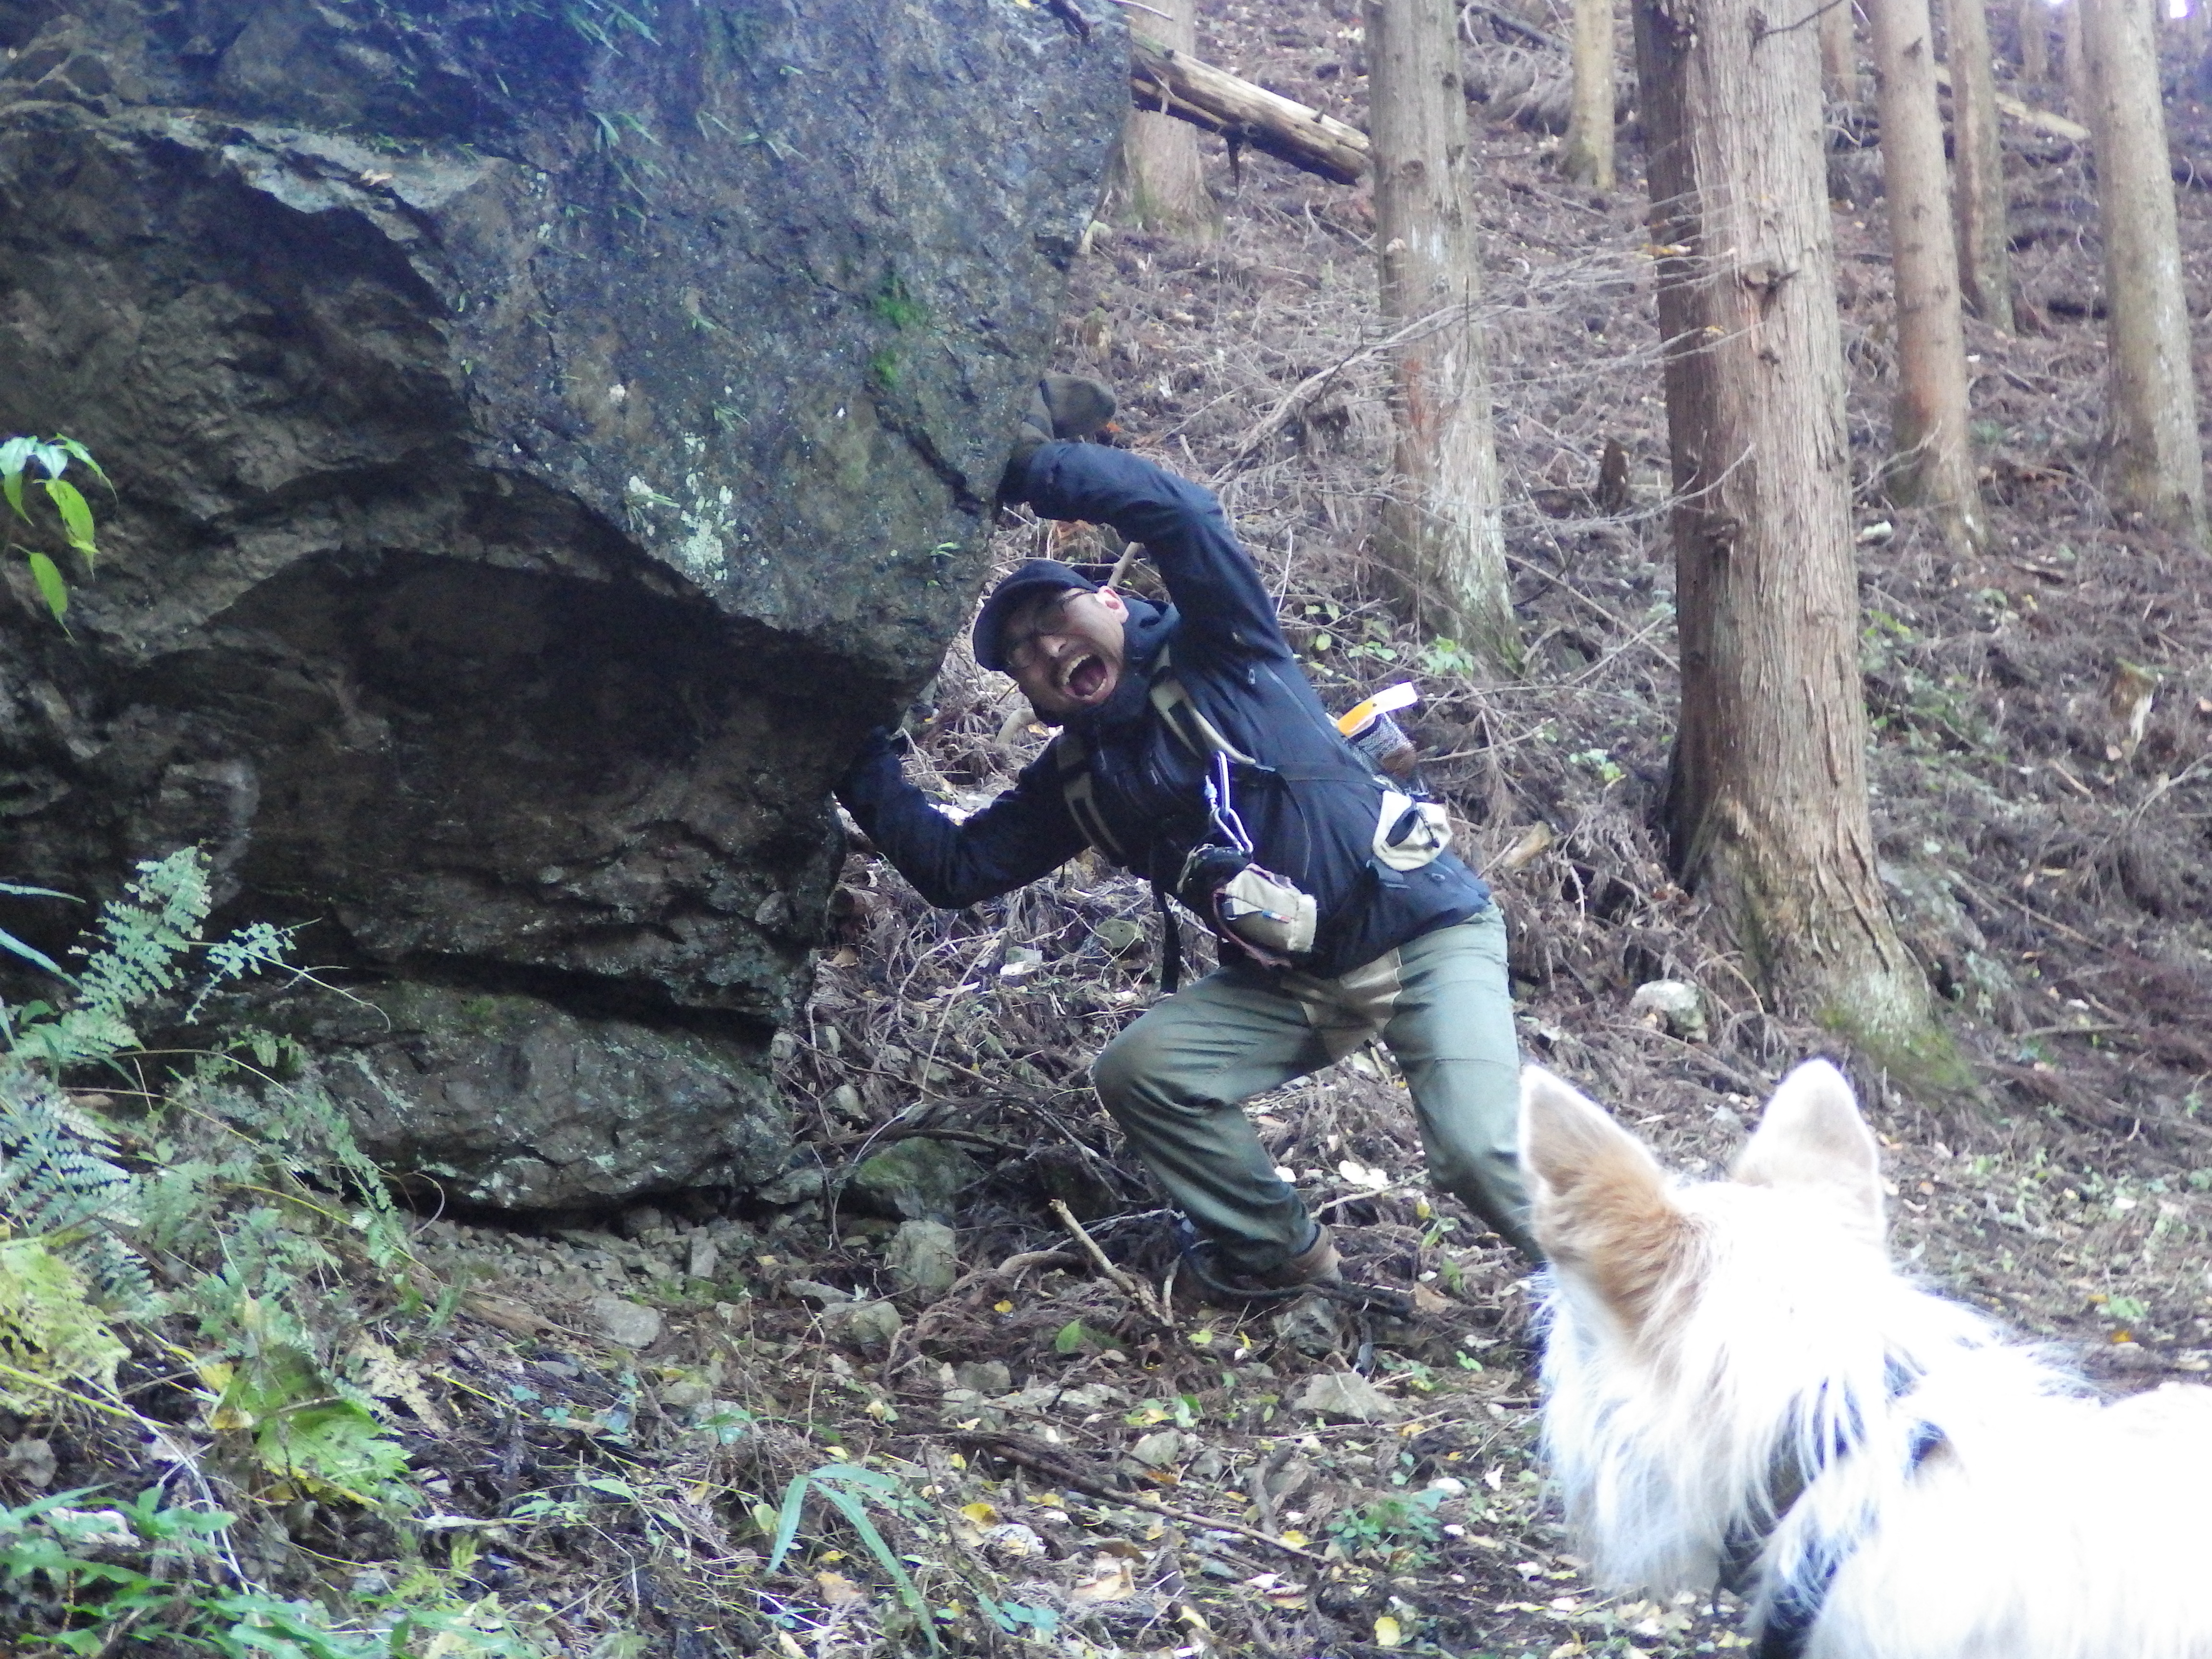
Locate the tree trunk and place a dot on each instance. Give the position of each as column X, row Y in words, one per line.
column 1441, row 536
column 1586, row 155
column 2034, row 20
column 1160, row 184
column 1767, row 800
column 1985, row 260
column 1931, row 458
column 2158, row 466
column 1839, row 52
column 2075, row 67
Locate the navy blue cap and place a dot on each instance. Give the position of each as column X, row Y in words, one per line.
column 1038, row 576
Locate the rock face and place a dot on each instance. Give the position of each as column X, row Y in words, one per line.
column 545, row 437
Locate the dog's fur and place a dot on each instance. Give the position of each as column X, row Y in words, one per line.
column 1713, row 1348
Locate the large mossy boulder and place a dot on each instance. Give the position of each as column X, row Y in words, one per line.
column 546, row 435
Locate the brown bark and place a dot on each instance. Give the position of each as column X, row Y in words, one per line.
column 1839, row 51
column 1441, row 536
column 1586, row 154
column 2158, row 464
column 1767, row 803
column 1985, row 258
column 1160, row 184
column 2074, row 69
column 2034, row 20
column 1931, row 454
column 1196, row 92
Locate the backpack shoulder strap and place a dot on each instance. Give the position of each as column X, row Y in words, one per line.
column 1190, row 728
column 1072, row 762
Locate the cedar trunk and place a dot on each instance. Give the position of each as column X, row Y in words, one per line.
column 1767, row 800
column 2034, row 18
column 1839, row 52
column 2158, row 465
column 1931, row 456
column 1985, row 260
column 1586, row 155
column 1161, row 182
column 1442, row 539
column 2075, row 67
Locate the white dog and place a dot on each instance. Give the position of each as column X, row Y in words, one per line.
column 1742, row 1390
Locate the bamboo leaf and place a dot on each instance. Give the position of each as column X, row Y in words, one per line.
column 9, row 942
column 851, row 1509
column 786, row 1524
column 875, row 1478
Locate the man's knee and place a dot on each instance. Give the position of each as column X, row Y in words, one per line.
column 1124, row 1068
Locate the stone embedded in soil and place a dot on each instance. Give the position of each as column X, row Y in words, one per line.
column 619, row 1319
column 1673, row 1006
column 870, row 1325
column 984, row 1377
column 1159, row 1449
column 1344, row 1397
column 918, row 1180
column 923, row 1258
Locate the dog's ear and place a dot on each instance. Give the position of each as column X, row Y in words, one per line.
column 1603, row 1209
column 1812, row 1138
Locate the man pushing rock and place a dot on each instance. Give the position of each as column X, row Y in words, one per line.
column 1192, row 751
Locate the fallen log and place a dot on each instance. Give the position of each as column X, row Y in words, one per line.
column 1170, row 82
column 2038, row 120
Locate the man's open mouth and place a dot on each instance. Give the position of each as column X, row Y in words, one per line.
column 1084, row 678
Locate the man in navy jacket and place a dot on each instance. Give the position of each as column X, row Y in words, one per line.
column 1189, row 729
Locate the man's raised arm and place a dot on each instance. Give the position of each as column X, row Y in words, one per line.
column 1212, row 580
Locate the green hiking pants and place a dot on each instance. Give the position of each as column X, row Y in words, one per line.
column 1177, row 1081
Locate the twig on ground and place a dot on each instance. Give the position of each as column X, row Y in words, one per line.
column 1030, row 1455
column 1135, row 1289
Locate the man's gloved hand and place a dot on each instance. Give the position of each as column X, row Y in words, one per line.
column 884, row 744
column 1070, row 407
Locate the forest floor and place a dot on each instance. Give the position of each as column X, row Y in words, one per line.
column 1057, row 1467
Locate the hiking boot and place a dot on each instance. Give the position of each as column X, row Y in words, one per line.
column 1318, row 1263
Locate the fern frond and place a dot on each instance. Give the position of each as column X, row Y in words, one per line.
column 52, row 1175
column 56, row 1185
column 50, row 1332
column 143, row 933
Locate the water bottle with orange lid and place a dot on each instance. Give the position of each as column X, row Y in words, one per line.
column 1375, row 735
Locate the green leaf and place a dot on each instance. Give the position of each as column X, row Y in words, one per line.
column 849, row 1507
column 83, row 454
column 51, row 588
column 11, row 943
column 51, row 457
column 13, row 455
column 875, row 1478
column 1072, row 1337
column 36, row 892
column 786, row 1522
column 76, row 516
